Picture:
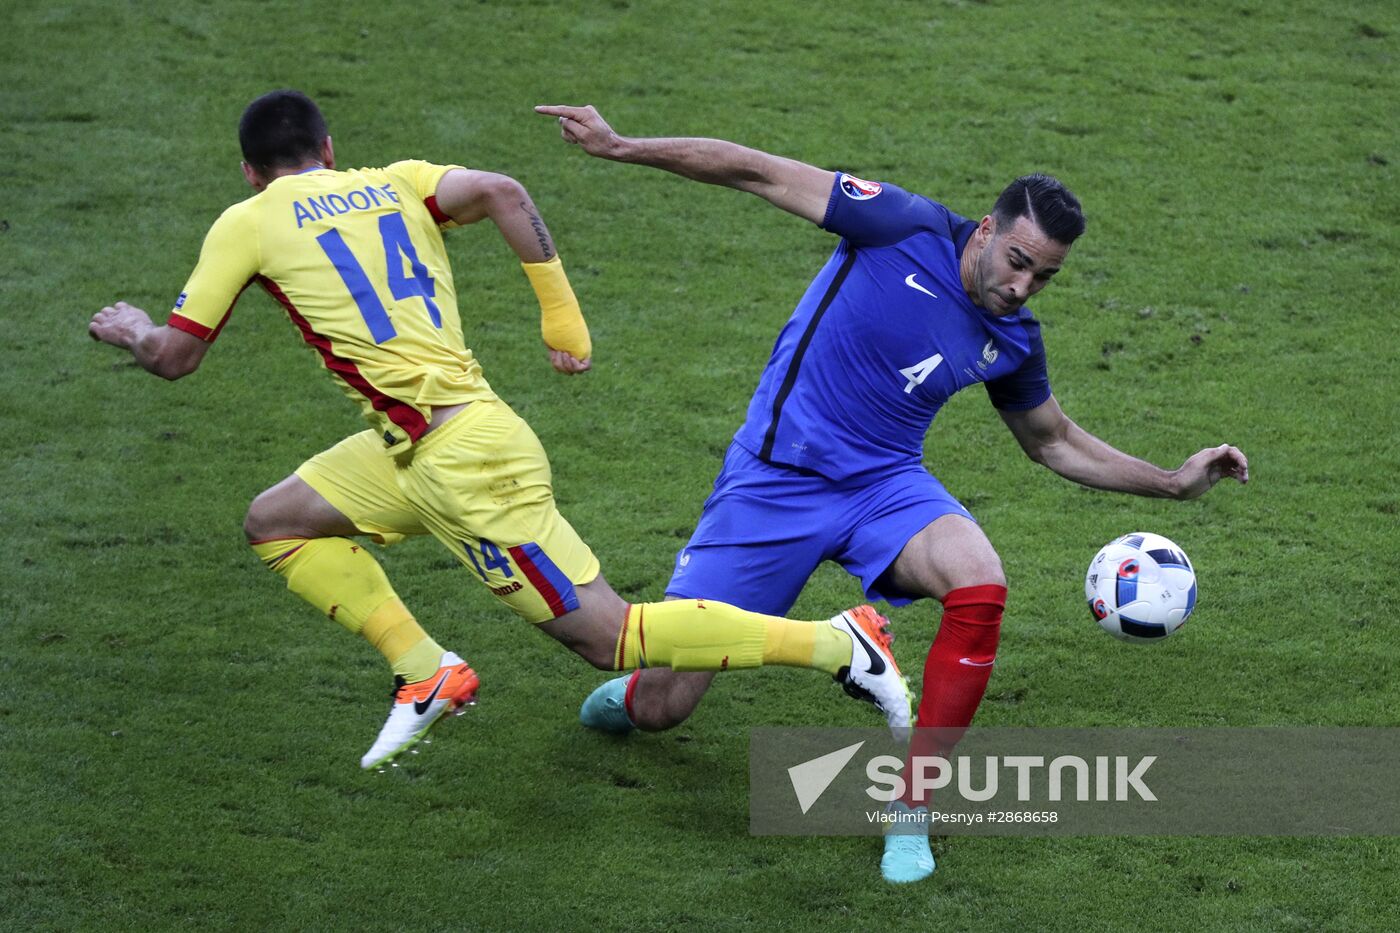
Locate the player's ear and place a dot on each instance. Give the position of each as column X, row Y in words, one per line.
column 327, row 153
column 987, row 228
column 251, row 176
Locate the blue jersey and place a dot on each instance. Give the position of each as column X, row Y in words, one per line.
column 883, row 337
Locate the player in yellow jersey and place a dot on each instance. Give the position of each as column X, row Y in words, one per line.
column 356, row 258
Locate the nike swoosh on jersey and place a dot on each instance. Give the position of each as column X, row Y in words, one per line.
column 877, row 661
column 421, row 706
column 915, row 285
column 971, row 663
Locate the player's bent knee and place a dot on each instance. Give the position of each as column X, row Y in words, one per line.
column 980, row 570
column 292, row 509
column 991, row 573
column 260, row 523
column 980, row 575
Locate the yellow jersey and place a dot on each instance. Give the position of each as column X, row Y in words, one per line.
column 357, row 260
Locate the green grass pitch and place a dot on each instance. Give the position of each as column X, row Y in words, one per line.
column 179, row 737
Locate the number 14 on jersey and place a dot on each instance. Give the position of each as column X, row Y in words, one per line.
column 397, row 247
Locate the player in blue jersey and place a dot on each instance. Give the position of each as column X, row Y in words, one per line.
column 915, row 304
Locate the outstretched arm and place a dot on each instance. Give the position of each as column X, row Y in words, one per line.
column 794, row 186
column 1049, row 437
column 469, row 196
column 165, row 351
column 228, row 261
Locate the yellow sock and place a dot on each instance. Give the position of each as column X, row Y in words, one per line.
column 394, row 633
column 701, row 635
column 806, row 644
column 341, row 579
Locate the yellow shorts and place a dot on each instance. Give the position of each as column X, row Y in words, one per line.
column 481, row 485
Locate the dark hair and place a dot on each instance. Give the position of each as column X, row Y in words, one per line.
column 281, row 129
column 1046, row 201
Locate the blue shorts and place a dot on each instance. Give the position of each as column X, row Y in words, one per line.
column 765, row 529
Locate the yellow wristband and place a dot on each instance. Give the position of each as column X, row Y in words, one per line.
column 561, row 321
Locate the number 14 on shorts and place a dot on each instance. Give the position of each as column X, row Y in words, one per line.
column 491, row 559
column 523, row 576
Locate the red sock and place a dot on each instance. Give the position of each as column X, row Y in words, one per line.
column 955, row 674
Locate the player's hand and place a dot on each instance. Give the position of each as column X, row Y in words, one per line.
column 584, row 127
column 1203, row 470
column 565, row 362
column 119, row 324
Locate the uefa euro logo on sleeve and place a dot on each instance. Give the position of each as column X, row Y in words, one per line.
column 859, row 189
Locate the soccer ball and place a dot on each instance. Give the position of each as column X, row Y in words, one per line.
column 1140, row 587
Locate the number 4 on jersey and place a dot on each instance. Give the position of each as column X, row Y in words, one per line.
column 920, row 371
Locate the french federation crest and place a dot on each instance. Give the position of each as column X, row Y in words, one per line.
column 858, row 189
column 989, row 356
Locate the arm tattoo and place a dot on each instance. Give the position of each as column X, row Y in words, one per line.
column 546, row 246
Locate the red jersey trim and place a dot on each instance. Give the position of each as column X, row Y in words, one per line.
column 430, row 202
column 208, row 335
column 400, row 413
column 180, row 322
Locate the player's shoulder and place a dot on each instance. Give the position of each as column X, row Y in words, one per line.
column 404, row 166
column 939, row 218
column 239, row 213
column 414, row 168
column 1025, row 323
column 882, row 213
column 417, row 175
column 1026, row 317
